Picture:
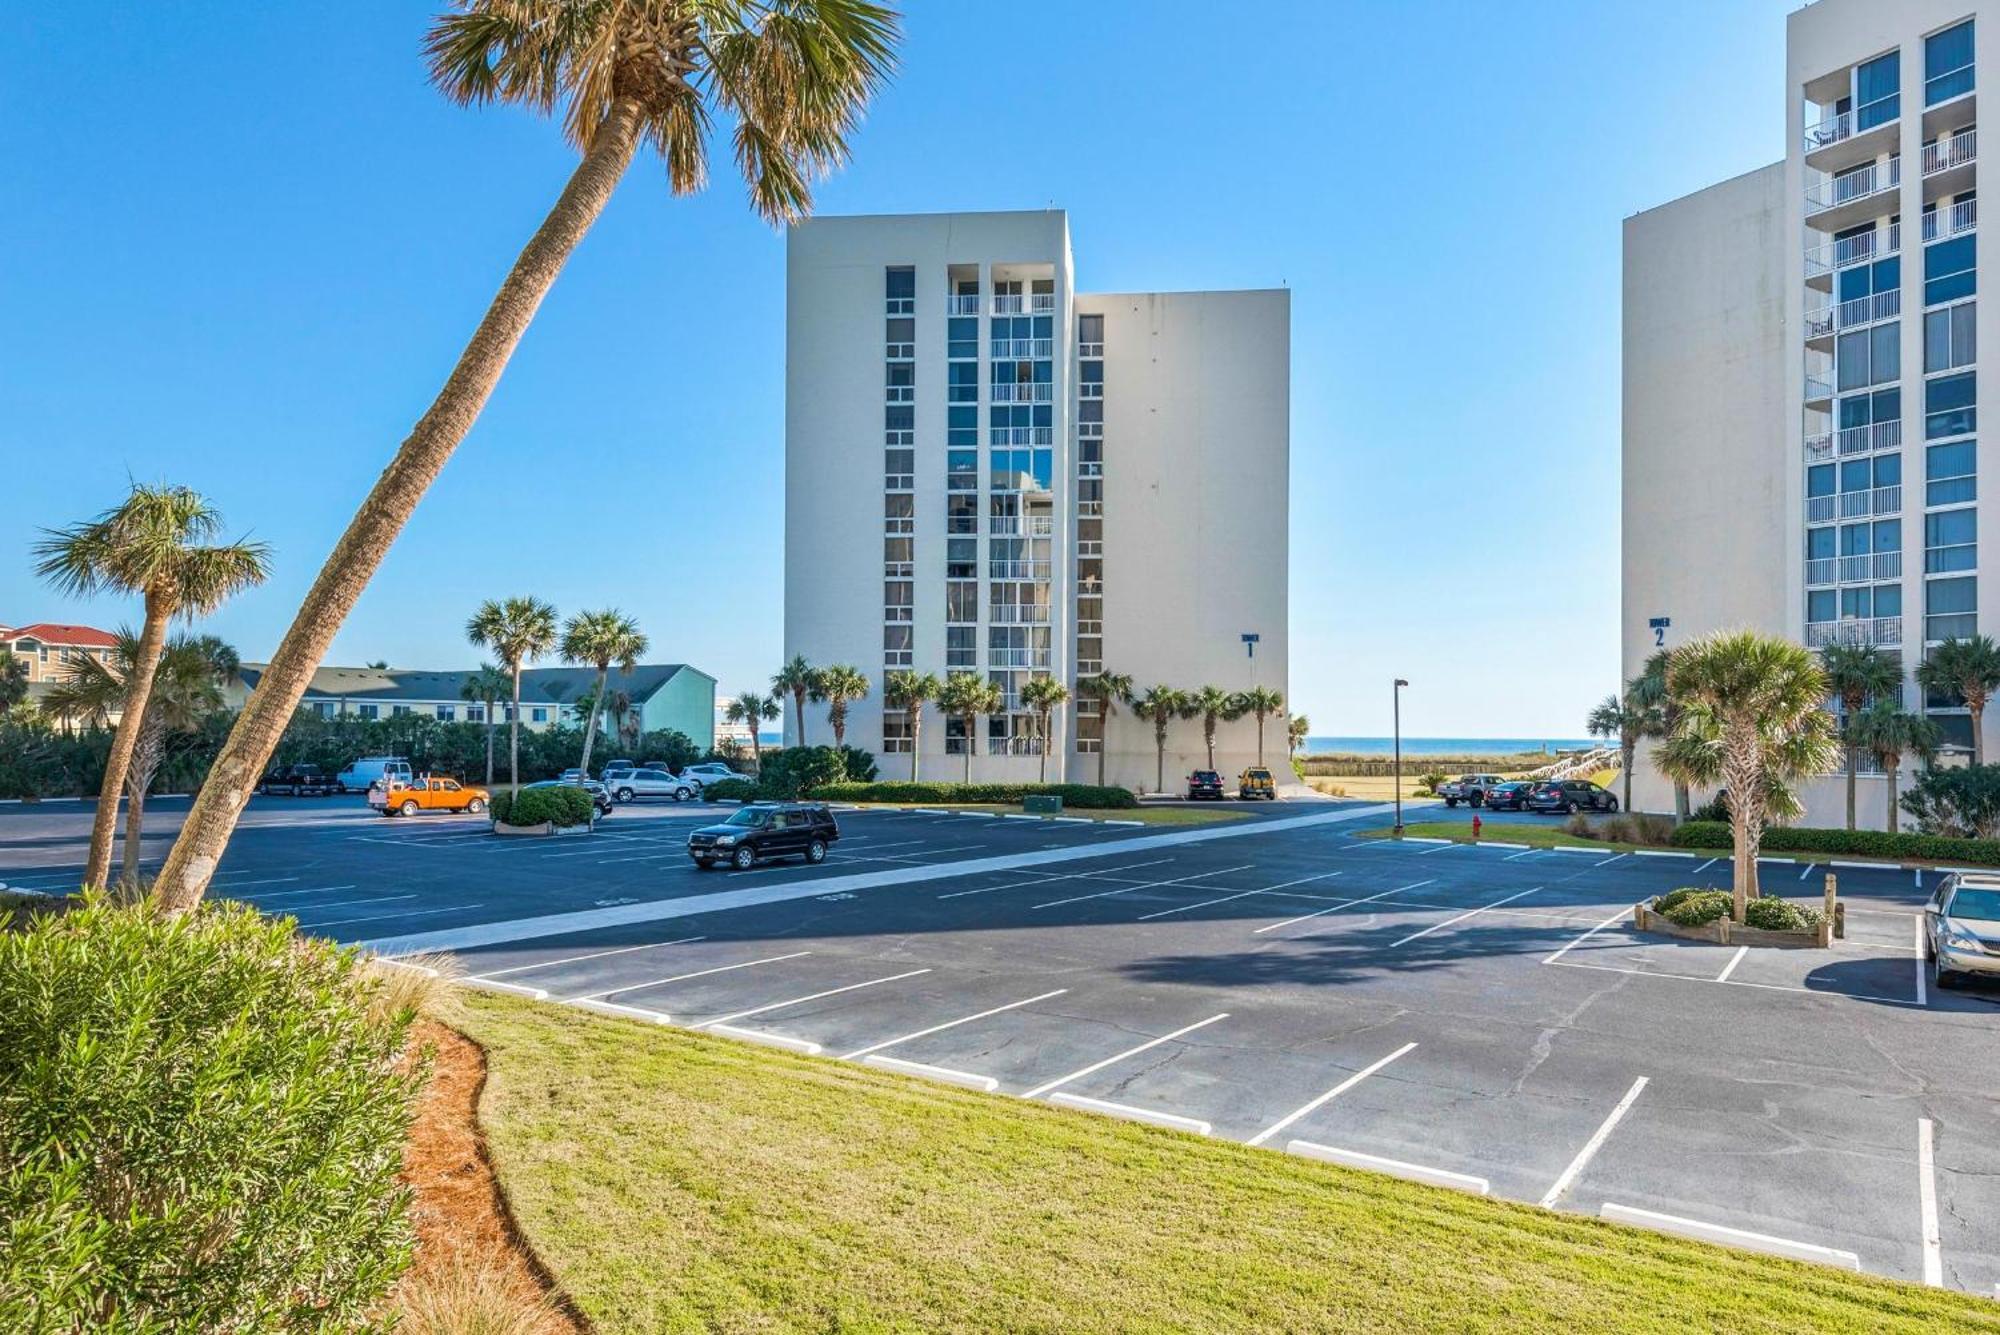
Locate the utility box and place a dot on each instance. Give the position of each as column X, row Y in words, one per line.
column 1042, row 804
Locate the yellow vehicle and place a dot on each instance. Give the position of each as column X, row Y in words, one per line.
column 1256, row 782
column 407, row 797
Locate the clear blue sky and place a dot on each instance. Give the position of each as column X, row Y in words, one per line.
column 244, row 243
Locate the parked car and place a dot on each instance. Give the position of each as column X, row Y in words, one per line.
column 600, row 797
column 638, row 783
column 1204, row 783
column 570, row 775
column 428, row 793
column 364, row 773
column 1962, row 929
column 1468, row 788
column 1256, row 782
column 299, row 781
column 765, row 830
column 1571, row 795
column 708, row 772
column 1509, row 796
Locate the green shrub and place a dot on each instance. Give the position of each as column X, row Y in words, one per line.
column 201, row 1126
column 1778, row 915
column 730, row 790
column 1962, row 803
column 1579, row 825
column 799, row 771
column 1715, row 809
column 1072, row 794
column 1692, row 907
column 1428, row 784
column 858, row 765
column 1855, row 843
column 565, row 806
column 500, row 804
column 1299, row 768
column 1675, row 898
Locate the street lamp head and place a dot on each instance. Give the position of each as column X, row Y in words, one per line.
column 1401, row 682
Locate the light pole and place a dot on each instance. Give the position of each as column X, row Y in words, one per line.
column 1396, row 714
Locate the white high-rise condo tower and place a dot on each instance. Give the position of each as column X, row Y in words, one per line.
column 989, row 472
column 1802, row 385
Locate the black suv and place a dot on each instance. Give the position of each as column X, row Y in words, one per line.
column 299, row 781
column 1204, row 783
column 1571, row 795
column 765, row 830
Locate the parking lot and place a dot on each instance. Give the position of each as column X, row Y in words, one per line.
column 1483, row 1018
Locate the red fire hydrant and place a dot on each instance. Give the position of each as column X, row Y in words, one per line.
column 1475, row 827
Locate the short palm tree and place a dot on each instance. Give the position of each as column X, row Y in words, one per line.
column 969, row 697
column 1044, row 695
column 1297, row 728
column 486, row 688
column 753, row 710
column 187, row 687
column 798, row 679
column 601, row 639
column 1969, row 669
column 1887, row 732
column 1627, row 722
column 1212, row 705
column 13, row 680
column 1648, row 693
column 1109, row 689
column 625, row 720
column 1749, row 713
column 794, row 76
column 1160, row 705
column 1260, row 702
column 1858, row 673
column 908, row 692
column 841, row 685
column 155, row 543
column 518, row 631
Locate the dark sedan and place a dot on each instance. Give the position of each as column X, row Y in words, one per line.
column 1204, row 783
column 1511, row 796
column 1571, row 795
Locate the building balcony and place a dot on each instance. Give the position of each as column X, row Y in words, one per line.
column 1862, row 569
column 1028, row 570
column 1951, row 152
column 1042, row 303
column 1018, row 614
column 1842, row 138
column 1014, row 526
column 1022, row 349
column 1856, row 630
column 962, row 303
column 1018, row 658
column 1039, row 391
column 1877, row 501
column 1943, row 224
column 1824, row 323
column 1819, row 446
column 1822, row 571
column 1010, row 304
column 1835, row 203
column 1021, row 435
column 1867, row 439
column 1819, row 509
column 1823, row 259
column 1819, row 385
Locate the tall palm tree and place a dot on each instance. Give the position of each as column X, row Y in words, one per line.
column 1260, row 701
column 601, row 639
column 518, row 631
column 798, row 679
column 13, row 679
column 1296, row 729
column 1161, row 705
column 1648, row 693
column 1888, row 733
column 187, row 686
column 795, row 77
column 839, row 685
column 1749, row 714
column 1627, row 722
column 753, row 710
column 155, row 543
column 1858, row 673
column 1044, row 695
column 1969, row 669
column 486, row 688
column 625, row 720
column 969, row 697
column 1212, row 705
column 1109, row 689
column 908, row 691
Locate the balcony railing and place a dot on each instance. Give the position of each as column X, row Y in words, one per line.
column 1888, row 500
column 1857, row 630
column 1017, row 658
column 1018, row 614
column 962, row 303
column 1951, row 151
column 1040, row 391
column 1042, row 302
column 1013, row 526
column 1830, row 255
column 1032, row 570
column 1009, row 304
column 1849, row 187
column 1021, row 435
column 1830, row 131
column 1886, row 565
column 1021, row 349
column 1819, row 446
column 1962, row 216
column 1819, row 385
column 1875, row 436
column 1850, row 314
column 1821, row 571
column 1819, row 509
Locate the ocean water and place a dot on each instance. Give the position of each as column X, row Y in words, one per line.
column 1445, row 746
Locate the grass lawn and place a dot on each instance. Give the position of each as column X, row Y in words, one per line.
column 1150, row 815
column 679, row 1182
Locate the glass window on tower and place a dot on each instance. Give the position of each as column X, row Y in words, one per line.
column 1951, row 608
column 1951, row 406
column 902, row 290
column 962, row 427
column 1820, row 480
column 1948, row 63
column 1821, row 605
column 962, row 337
column 1819, row 543
column 1949, row 271
column 1949, row 338
column 1950, row 541
column 1950, row 471
column 1876, row 88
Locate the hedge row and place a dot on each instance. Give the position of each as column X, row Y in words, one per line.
column 1072, row 794
column 1859, row 843
column 566, row 806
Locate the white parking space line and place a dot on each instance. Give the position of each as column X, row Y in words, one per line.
column 1923, row 985
column 1738, row 982
column 268, row 880
column 1729, row 1237
column 1592, row 1146
column 594, row 955
column 316, row 890
column 1173, row 1121
column 1608, row 861
column 1516, row 857
column 1927, row 1205
column 1730, row 967
column 810, row 1049
column 380, row 917
column 1329, row 1096
column 347, row 903
column 683, row 977
column 984, row 1083
column 1147, row 1046
column 1343, row 904
column 1807, row 870
column 1706, row 865
column 815, row 996
column 1241, row 894
column 1143, row 885
column 1469, row 913
column 1436, row 1177
column 948, row 1024
column 1579, row 940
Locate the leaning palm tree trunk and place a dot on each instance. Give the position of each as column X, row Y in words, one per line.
column 145, row 764
column 354, row 559
column 514, row 736
column 124, row 742
column 590, row 724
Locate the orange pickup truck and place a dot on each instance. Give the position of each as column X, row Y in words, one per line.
column 425, row 793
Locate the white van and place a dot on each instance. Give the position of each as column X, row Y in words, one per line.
column 368, row 770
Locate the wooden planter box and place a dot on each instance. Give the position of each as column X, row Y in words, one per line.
column 1726, row 933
